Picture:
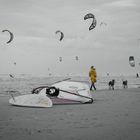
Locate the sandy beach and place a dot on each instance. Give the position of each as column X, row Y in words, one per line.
column 45, row 42
column 114, row 115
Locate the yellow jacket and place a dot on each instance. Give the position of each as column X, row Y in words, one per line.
column 92, row 75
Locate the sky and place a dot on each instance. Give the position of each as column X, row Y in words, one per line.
column 36, row 47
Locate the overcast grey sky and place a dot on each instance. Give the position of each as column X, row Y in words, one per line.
column 36, row 48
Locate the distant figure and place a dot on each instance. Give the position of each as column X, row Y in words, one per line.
column 11, row 75
column 107, row 74
column 125, row 84
column 92, row 75
column 137, row 75
column 111, row 84
column 15, row 63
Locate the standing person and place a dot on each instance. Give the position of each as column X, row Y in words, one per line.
column 92, row 75
column 137, row 75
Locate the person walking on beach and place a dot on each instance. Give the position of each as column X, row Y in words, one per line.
column 92, row 76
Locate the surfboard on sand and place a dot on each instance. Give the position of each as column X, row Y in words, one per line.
column 31, row 100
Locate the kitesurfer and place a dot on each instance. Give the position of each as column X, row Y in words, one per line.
column 92, row 76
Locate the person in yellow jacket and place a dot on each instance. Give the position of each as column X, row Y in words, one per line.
column 92, row 76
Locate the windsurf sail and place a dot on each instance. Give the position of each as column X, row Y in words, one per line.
column 79, row 95
column 67, row 92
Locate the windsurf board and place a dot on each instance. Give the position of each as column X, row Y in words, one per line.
column 31, row 100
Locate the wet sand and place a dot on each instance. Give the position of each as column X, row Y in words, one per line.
column 114, row 115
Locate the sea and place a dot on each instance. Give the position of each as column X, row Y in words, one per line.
column 25, row 83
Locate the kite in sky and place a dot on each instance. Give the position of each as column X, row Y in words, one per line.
column 61, row 34
column 11, row 35
column 94, row 22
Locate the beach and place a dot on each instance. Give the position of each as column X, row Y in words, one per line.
column 114, row 115
column 95, row 42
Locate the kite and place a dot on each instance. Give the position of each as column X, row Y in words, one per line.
column 11, row 35
column 94, row 22
column 61, row 34
column 103, row 23
column 131, row 61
